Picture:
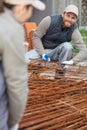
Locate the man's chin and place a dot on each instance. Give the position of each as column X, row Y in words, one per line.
column 68, row 26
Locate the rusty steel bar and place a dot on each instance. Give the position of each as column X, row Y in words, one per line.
column 55, row 103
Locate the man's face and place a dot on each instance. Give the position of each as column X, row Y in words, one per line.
column 68, row 19
column 22, row 13
column 28, row 11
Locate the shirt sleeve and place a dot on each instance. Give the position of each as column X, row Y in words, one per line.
column 80, row 46
column 39, row 33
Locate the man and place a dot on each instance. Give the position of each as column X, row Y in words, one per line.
column 13, row 69
column 53, row 35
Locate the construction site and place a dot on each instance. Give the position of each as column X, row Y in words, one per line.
column 57, row 98
column 56, row 102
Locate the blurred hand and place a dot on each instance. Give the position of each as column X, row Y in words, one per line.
column 45, row 57
column 65, row 64
column 70, row 62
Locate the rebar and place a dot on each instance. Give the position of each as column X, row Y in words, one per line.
column 55, row 103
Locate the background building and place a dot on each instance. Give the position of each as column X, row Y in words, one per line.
column 57, row 6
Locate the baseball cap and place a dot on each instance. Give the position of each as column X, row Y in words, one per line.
column 35, row 3
column 72, row 9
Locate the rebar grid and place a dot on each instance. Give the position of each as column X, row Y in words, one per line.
column 56, row 103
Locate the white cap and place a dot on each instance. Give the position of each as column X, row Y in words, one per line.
column 35, row 3
column 72, row 9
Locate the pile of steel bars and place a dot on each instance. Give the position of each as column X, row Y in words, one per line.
column 56, row 103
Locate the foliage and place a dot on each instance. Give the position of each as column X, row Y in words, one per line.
column 84, row 35
column 83, row 32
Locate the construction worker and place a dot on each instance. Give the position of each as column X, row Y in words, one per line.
column 53, row 35
column 13, row 69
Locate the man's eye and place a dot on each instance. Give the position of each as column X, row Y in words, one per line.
column 68, row 15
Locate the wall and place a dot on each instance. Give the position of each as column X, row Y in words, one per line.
column 57, row 6
column 50, row 9
column 84, row 13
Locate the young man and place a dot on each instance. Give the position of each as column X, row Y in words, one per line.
column 13, row 69
column 53, row 35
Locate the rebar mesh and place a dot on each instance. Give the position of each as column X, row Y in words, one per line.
column 56, row 103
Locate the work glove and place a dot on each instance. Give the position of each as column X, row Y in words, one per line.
column 70, row 62
column 65, row 64
column 45, row 57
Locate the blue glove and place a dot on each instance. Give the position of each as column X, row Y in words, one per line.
column 45, row 57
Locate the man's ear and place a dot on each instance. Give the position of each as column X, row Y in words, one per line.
column 63, row 14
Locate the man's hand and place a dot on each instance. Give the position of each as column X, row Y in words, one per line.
column 70, row 62
column 45, row 57
column 65, row 64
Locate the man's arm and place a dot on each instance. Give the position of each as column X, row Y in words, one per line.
column 39, row 33
column 15, row 73
column 79, row 44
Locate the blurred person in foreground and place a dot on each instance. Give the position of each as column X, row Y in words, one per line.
column 13, row 69
column 53, row 35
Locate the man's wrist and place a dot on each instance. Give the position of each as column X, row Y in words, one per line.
column 68, row 62
column 45, row 57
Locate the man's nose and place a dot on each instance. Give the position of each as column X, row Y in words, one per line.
column 70, row 19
